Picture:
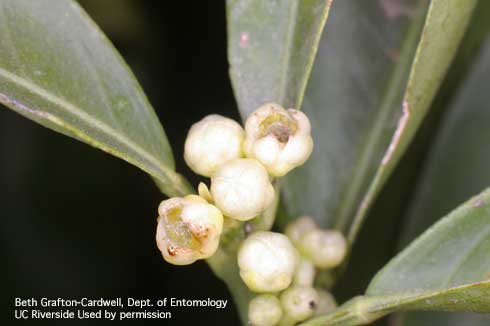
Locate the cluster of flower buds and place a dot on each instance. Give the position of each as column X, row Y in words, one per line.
column 241, row 164
column 282, row 268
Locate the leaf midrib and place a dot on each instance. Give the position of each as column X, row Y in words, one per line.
column 72, row 109
column 370, row 308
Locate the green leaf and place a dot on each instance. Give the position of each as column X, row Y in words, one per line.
column 456, row 167
column 271, row 48
column 58, row 69
column 445, row 269
column 443, row 319
column 353, row 100
column 354, row 109
column 444, row 28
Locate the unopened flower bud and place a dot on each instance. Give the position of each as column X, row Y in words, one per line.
column 212, row 142
column 267, row 261
column 305, row 273
column 325, row 248
column 299, row 302
column 299, row 227
column 326, row 302
column 241, row 189
column 280, row 139
column 188, row 229
column 264, row 310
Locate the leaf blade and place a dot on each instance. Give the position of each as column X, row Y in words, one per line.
column 457, row 245
column 271, row 48
column 442, row 33
column 343, row 101
column 60, row 71
column 448, row 246
column 458, row 162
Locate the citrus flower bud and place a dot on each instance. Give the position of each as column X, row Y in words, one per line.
column 280, row 139
column 211, row 142
column 299, row 227
column 264, row 310
column 188, row 229
column 305, row 273
column 267, row 261
column 326, row 302
column 325, row 248
column 241, row 189
column 299, row 302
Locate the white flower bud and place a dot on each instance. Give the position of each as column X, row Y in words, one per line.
column 326, row 302
column 299, row 227
column 299, row 302
column 264, row 310
column 188, row 229
column 325, row 248
column 267, row 261
column 242, row 189
column 280, row 139
column 305, row 273
column 212, row 142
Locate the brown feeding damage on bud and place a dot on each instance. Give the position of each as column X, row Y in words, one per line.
column 279, row 139
column 188, row 229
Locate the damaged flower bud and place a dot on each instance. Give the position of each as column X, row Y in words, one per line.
column 279, row 139
column 299, row 302
column 267, row 261
column 212, row 142
column 241, row 189
column 188, row 229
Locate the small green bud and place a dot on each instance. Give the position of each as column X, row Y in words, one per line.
column 212, row 142
column 326, row 302
column 325, row 248
column 305, row 273
column 267, row 261
column 299, row 302
column 188, row 229
column 264, row 310
column 280, row 139
column 299, row 227
column 241, row 189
